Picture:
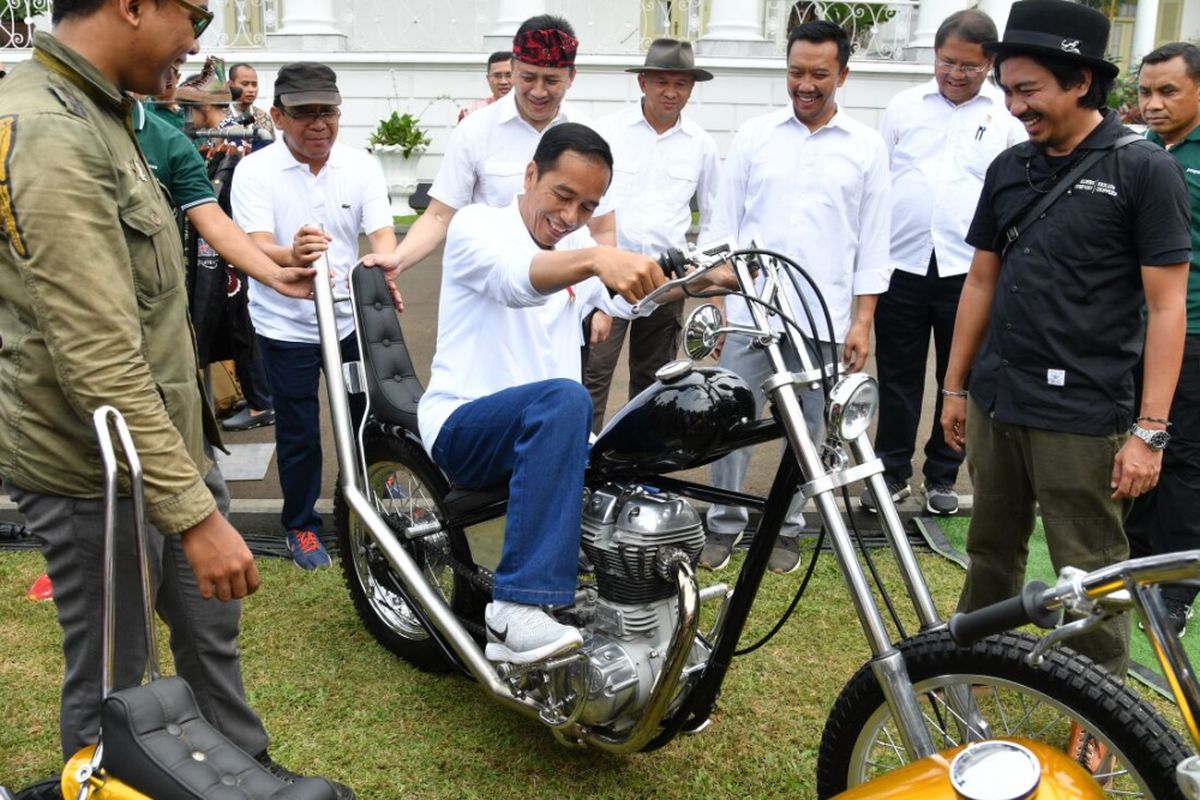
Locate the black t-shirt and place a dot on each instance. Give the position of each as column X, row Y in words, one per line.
column 1066, row 330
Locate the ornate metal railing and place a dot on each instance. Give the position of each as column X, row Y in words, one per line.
column 878, row 30
column 237, row 24
column 242, row 24
column 677, row 19
column 19, row 19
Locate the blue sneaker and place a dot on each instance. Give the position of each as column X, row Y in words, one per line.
column 307, row 550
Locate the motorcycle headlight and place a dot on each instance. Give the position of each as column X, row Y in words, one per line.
column 852, row 406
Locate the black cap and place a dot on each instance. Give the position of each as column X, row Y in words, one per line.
column 306, row 83
column 1057, row 28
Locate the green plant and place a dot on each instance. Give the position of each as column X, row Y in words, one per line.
column 1124, row 98
column 400, row 130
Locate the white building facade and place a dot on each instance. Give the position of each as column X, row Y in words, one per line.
column 427, row 57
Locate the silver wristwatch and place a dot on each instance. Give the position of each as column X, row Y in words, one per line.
column 1155, row 440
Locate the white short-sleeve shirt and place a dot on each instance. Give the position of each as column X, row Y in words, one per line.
column 939, row 154
column 488, row 152
column 496, row 331
column 274, row 193
column 654, row 178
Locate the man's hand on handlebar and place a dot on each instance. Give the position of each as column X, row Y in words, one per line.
column 631, row 275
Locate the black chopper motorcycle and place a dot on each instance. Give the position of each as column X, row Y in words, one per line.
column 416, row 553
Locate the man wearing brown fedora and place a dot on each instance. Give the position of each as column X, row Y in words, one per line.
column 1075, row 230
column 661, row 159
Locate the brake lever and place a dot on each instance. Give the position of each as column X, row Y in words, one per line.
column 1068, row 631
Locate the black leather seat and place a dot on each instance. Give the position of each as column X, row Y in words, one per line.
column 156, row 742
column 392, row 386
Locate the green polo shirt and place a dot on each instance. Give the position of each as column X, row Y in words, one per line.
column 174, row 161
column 1187, row 153
column 172, row 118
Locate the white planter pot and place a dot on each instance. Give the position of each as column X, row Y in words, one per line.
column 400, row 173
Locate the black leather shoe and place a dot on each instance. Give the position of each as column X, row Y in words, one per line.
column 341, row 791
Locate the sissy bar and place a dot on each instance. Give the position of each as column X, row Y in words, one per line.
column 154, row 742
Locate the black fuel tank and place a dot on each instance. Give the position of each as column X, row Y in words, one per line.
column 689, row 417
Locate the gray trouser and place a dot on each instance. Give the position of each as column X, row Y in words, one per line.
column 204, row 633
column 751, row 363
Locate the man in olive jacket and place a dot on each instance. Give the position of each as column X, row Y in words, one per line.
column 93, row 311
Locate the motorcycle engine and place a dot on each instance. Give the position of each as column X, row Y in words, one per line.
column 635, row 614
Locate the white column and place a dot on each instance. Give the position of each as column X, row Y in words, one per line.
column 309, row 18
column 998, row 11
column 929, row 17
column 1145, row 30
column 307, row 26
column 735, row 28
column 507, row 16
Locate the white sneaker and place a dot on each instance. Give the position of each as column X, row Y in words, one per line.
column 522, row 634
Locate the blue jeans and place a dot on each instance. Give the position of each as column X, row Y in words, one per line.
column 294, row 373
column 535, row 437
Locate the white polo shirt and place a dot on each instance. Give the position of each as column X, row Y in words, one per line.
column 496, row 331
column 822, row 199
column 654, row 178
column 488, row 152
column 274, row 193
column 939, row 153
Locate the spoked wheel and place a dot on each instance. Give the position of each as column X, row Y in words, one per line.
column 1012, row 699
column 407, row 490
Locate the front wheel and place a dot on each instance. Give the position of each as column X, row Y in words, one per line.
column 406, row 489
column 862, row 741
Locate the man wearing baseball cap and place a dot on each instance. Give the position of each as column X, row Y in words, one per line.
column 661, row 159
column 281, row 194
column 487, row 154
column 1050, row 322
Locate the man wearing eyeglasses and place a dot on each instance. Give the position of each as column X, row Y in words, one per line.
column 280, row 195
column 941, row 136
column 93, row 312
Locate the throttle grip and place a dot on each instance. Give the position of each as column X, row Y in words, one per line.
column 969, row 627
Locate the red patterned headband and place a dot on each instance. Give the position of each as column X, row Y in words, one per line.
column 546, row 48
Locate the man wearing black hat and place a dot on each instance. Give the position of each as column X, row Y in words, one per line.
column 661, row 160
column 280, row 194
column 1075, row 229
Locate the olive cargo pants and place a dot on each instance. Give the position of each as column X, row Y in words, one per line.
column 1015, row 468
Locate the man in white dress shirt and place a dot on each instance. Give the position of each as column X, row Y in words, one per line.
column 661, row 159
column 488, row 152
column 504, row 397
column 811, row 183
column 941, row 137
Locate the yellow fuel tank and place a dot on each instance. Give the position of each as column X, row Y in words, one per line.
column 929, row 779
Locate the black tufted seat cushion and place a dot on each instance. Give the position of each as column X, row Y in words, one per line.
column 156, row 742
column 393, row 388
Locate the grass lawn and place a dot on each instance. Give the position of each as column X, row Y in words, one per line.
column 338, row 704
